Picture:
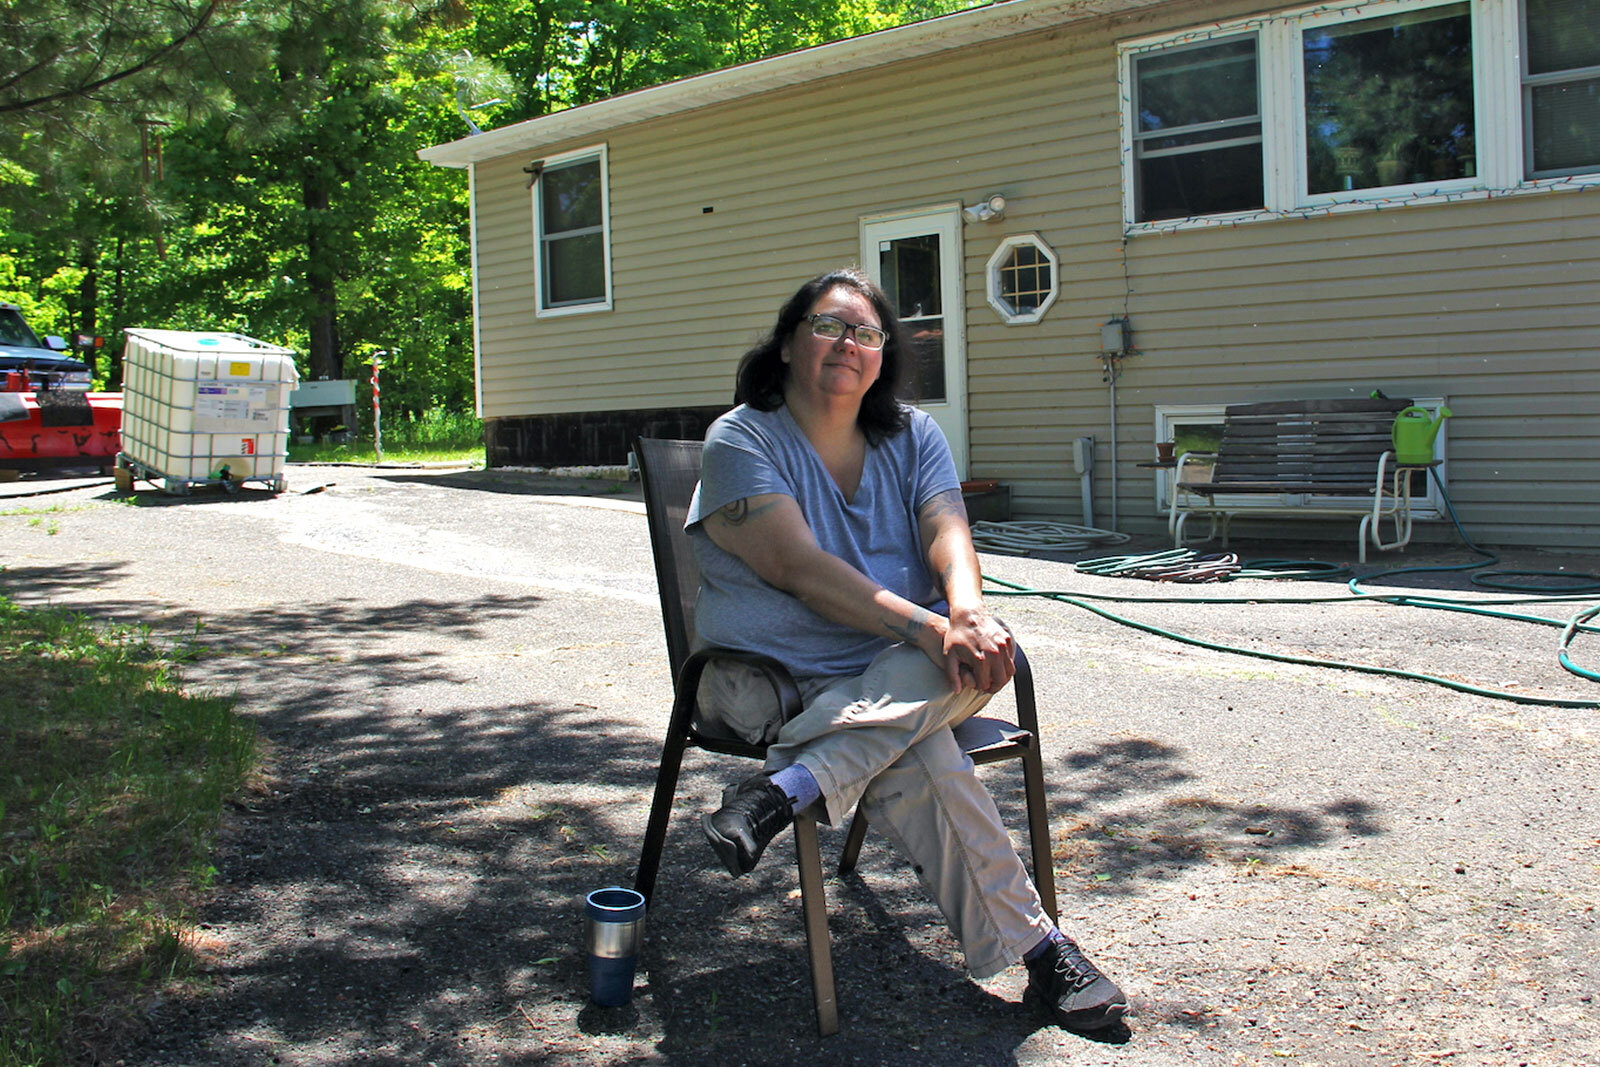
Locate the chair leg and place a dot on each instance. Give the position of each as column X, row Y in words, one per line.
column 655, row 834
column 814, row 906
column 852, row 841
column 1044, row 872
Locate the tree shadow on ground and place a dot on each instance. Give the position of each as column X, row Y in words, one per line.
column 405, row 862
column 1170, row 830
column 404, row 880
column 327, row 632
column 47, row 582
column 404, row 883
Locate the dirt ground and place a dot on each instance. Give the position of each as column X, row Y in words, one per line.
column 460, row 683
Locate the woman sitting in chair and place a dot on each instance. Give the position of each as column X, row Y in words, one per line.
column 831, row 535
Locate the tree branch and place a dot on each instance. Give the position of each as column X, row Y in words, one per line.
column 100, row 83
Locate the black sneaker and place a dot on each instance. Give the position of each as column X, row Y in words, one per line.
column 1073, row 991
column 751, row 815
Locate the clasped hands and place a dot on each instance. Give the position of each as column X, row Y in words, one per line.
column 974, row 650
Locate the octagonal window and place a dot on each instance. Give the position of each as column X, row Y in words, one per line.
column 1023, row 278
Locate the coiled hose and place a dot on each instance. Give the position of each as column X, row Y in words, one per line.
column 1026, row 538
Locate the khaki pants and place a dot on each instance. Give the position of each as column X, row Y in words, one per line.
column 884, row 738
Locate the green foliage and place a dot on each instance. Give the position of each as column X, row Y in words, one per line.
column 108, row 802
column 436, row 435
column 569, row 52
column 252, row 167
column 40, row 302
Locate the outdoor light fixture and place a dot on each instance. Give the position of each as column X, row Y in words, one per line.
column 990, row 210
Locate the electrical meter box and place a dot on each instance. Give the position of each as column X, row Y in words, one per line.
column 205, row 408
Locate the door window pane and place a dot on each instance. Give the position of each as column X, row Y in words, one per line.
column 1389, row 101
column 923, row 381
column 909, row 267
column 910, row 270
column 1197, row 139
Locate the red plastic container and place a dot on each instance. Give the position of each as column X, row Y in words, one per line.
column 29, row 444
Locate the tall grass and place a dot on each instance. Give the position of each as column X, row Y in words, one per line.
column 110, row 794
column 435, row 435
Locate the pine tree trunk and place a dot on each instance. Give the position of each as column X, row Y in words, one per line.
column 325, row 361
column 89, row 299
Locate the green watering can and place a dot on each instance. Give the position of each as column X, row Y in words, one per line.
column 1414, row 431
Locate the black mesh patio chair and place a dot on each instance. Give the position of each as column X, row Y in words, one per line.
column 668, row 471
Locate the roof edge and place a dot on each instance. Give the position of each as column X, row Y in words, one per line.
column 991, row 22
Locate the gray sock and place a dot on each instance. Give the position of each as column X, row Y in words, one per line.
column 1054, row 937
column 798, row 785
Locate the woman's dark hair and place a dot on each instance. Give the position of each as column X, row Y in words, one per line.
column 762, row 371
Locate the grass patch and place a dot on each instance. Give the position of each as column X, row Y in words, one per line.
column 431, row 437
column 110, row 795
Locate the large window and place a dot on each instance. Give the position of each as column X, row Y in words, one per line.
column 1389, row 100
column 573, row 259
column 1352, row 103
column 1561, row 86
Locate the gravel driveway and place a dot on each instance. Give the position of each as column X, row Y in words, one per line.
column 460, row 681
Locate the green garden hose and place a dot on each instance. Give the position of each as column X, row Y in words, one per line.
column 1079, row 601
column 1183, row 565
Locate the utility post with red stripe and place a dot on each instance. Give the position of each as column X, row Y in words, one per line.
column 377, row 408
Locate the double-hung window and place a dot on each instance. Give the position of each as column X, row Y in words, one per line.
column 1358, row 103
column 1197, row 130
column 1561, row 86
column 572, row 260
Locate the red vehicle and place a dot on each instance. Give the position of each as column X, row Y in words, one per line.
column 48, row 418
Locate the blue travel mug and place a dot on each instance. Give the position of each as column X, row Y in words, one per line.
column 614, row 930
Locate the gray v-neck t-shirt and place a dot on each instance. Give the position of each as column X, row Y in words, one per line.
column 750, row 452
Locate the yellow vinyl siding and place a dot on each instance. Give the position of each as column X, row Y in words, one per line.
column 1489, row 303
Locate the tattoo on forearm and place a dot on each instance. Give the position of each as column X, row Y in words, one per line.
column 740, row 512
column 908, row 630
column 948, row 502
column 944, row 575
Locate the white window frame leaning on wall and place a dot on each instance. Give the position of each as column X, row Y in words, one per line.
column 1502, row 162
column 543, row 239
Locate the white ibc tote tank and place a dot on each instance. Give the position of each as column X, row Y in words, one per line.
column 205, row 407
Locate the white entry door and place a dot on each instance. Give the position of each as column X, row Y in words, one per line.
column 916, row 257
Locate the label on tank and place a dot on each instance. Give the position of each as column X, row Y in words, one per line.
column 232, row 403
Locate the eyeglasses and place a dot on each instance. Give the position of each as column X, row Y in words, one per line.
column 831, row 329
